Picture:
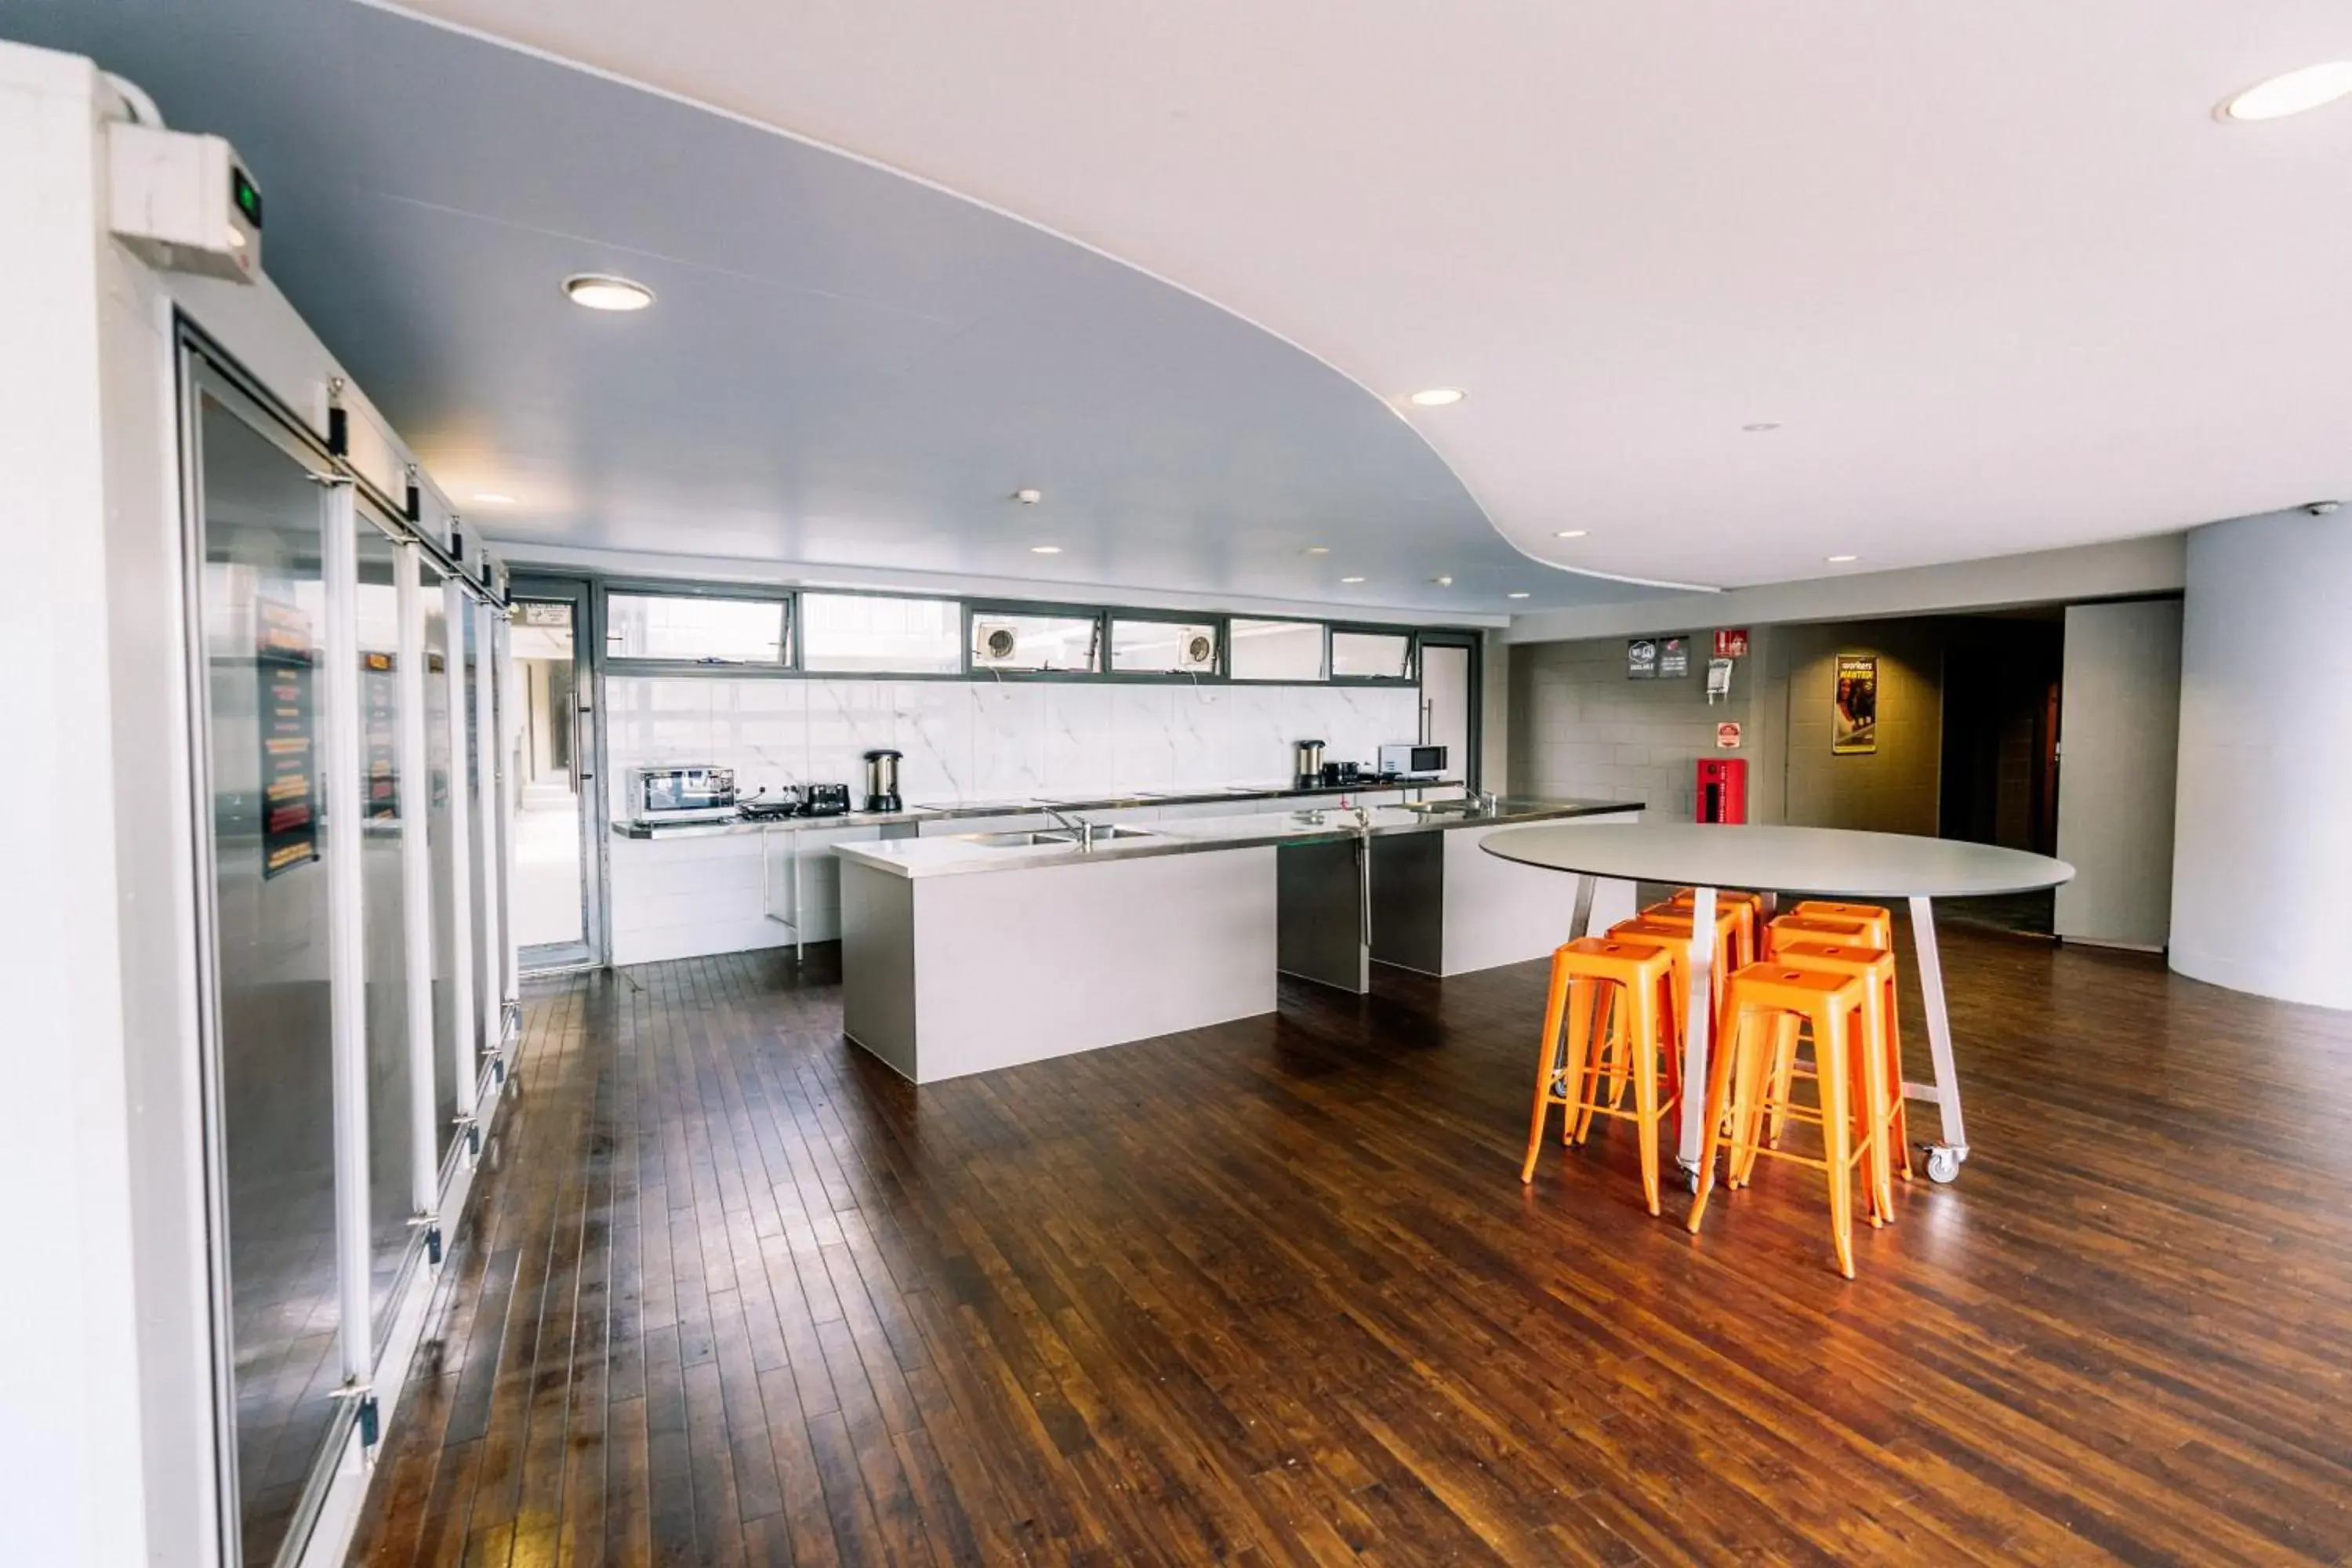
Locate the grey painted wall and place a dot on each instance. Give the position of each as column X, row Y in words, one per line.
column 2119, row 731
column 2261, row 833
column 1893, row 789
column 1579, row 727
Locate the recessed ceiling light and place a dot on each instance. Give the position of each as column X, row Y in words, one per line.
column 1351, row 579
column 1571, row 533
column 492, row 498
column 1437, row 397
column 1316, row 549
column 1841, row 559
column 1443, row 582
column 2293, row 93
column 1514, row 595
column 1044, row 550
column 601, row 291
column 1762, row 425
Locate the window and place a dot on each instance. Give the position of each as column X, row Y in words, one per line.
column 1277, row 650
column 1162, row 648
column 1371, row 656
column 695, row 628
column 867, row 631
column 1003, row 641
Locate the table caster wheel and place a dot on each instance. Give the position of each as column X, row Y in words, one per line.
column 1943, row 1162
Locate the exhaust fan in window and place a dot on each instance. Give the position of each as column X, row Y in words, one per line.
column 1196, row 649
column 993, row 644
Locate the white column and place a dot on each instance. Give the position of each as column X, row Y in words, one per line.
column 416, row 800
column 2263, row 830
column 339, row 763
column 464, row 1051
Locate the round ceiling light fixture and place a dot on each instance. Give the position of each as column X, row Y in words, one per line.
column 492, row 498
column 1841, row 559
column 603, row 291
column 1316, row 549
column 2296, row 92
column 2323, row 508
column 1762, row 425
column 1514, row 595
column 1027, row 495
column 1351, row 579
column 1571, row 533
column 1437, row 397
column 1044, row 550
column 1443, row 582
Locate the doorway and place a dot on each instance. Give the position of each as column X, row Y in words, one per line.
column 556, row 878
column 1999, row 765
column 1449, row 686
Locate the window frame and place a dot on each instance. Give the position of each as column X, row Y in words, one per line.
column 1411, row 635
column 627, row 664
column 1225, row 655
column 1217, row 621
column 799, row 637
column 974, row 609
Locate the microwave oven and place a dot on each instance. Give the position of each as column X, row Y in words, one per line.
column 1406, row 760
column 694, row 791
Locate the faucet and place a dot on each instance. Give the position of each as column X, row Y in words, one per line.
column 1071, row 823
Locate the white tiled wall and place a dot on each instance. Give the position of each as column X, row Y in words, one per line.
column 970, row 740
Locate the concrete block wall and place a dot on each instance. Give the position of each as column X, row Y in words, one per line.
column 1579, row 727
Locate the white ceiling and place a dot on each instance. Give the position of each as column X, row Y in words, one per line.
column 1994, row 269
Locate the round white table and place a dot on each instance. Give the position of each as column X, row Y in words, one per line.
column 1816, row 862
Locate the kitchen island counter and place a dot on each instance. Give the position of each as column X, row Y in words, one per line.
column 966, row 953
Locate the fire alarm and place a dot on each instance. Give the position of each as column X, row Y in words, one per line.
column 1028, row 497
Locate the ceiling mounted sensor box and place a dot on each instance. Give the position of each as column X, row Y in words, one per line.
column 183, row 202
column 993, row 644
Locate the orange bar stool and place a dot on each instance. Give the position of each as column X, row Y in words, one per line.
column 1764, row 1005
column 1875, row 968
column 1751, row 921
column 1820, row 928
column 1875, row 920
column 1602, row 986
column 1673, row 934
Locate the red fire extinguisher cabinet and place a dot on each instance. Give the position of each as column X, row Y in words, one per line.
column 1722, row 794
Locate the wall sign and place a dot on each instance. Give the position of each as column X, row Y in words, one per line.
column 1727, row 736
column 1731, row 642
column 380, row 702
column 290, row 785
column 1642, row 658
column 1854, row 705
column 1674, row 658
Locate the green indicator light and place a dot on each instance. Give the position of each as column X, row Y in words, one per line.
column 246, row 195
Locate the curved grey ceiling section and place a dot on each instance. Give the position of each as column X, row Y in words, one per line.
column 845, row 367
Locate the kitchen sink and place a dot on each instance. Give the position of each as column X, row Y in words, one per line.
column 1056, row 837
column 1433, row 808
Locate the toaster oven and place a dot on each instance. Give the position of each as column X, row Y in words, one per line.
column 1403, row 759
column 693, row 791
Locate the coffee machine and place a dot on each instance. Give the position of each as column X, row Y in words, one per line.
column 1307, row 763
column 882, row 780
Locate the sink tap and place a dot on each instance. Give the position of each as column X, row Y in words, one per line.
column 1069, row 822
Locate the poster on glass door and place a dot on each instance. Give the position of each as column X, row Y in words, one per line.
column 380, row 705
column 284, row 664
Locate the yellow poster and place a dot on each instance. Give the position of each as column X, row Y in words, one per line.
column 1853, row 715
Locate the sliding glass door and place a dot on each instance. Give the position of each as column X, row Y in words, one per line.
column 356, row 970
column 551, row 765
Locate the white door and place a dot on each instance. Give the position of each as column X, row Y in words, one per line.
column 2119, row 731
column 1446, row 706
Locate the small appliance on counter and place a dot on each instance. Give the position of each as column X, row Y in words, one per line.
column 770, row 805
column 882, row 780
column 692, row 792
column 1407, row 760
column 1307, row 763
column 1337, row 775
column 825, row 800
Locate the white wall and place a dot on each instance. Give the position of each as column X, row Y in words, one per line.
column 2119, row 731
column 103, row 1445
column 2131, row 566
column 2262, row 829
column 979, row 740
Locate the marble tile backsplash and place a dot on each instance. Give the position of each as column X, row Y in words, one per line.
column 978, row 740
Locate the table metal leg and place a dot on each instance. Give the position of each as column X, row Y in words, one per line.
column 1697, row 1135
column 1580, row 925
column 1944, row 1157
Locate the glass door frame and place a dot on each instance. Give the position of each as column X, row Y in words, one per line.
column 1472, row 768
column 587, row 771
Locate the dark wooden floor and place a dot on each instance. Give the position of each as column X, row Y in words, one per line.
column 1272, row 1292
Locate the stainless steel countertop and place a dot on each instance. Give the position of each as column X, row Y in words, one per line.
column 1024, row 806
column 963, row 854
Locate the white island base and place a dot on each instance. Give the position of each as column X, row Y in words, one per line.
column 943, row 976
